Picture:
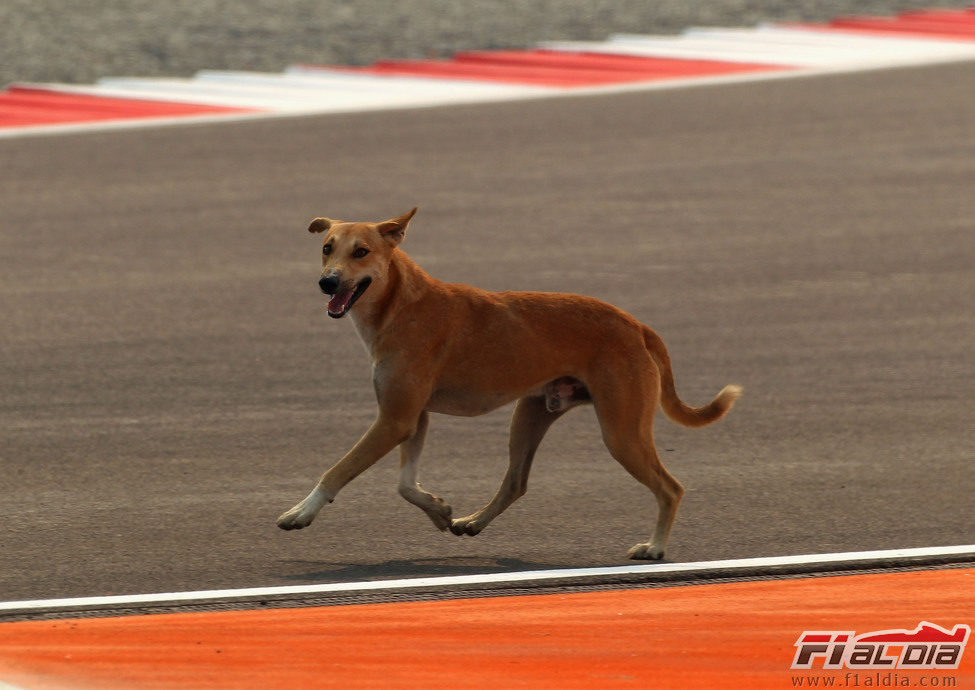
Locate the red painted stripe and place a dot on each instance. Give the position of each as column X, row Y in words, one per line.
column 941, row 15
column 637, row 67
column 510, row 74
column 961, row 19
column 554, row 68
column 24, row 106
column 941, row 29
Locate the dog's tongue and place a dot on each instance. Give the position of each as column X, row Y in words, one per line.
column 340, row 301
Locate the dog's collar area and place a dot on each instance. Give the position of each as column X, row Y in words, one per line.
column 343, row 300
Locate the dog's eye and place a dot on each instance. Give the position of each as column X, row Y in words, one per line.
column 359, row 253
column 327, row 249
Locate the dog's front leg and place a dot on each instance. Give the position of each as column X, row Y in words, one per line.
column 386, row 433
column 409, row 488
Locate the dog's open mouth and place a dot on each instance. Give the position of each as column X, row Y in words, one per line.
column 343, row 300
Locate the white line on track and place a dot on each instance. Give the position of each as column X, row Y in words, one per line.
column 728, row 568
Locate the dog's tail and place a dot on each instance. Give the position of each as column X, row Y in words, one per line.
column 673, row 406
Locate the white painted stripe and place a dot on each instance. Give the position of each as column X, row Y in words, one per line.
column 322, row 78
column 800, row 36
column 294, row 94
column 843, row 49
column 753, row 51
column 758, row 55
column 240, row 95
column 226, row 88
column 728, row 568
column 829, row 48
column 131, row 91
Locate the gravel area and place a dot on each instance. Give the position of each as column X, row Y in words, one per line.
column 74, row 41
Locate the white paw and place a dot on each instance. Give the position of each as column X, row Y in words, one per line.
column 302, row 514
column 646, row 552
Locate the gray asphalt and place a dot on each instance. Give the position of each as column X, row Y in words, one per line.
column 171, row 383
column 53, row 40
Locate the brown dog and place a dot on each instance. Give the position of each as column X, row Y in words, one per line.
column 455, row 349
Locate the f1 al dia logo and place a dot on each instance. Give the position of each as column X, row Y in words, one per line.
column 928, row 646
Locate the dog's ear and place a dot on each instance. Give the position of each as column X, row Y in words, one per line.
column 394, row 230
column 320, row 225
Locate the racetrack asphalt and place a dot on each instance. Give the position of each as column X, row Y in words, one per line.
column 171, row 383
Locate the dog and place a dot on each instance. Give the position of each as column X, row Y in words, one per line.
column 459, row 350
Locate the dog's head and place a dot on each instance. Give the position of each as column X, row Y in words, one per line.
column 355, row 257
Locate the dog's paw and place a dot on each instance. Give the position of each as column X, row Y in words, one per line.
column 646, row 552
column 295, row 519
column 440, row 515
column 469, row 525
column 302, row 514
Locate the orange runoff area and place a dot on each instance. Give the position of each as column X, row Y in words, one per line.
column 730, row 635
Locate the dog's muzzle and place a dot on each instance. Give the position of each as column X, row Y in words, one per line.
column 343, row 296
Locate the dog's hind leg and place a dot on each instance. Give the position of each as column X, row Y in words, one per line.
column 625, row 415
column 530, row 421
column 409, row 488
column 640, row 459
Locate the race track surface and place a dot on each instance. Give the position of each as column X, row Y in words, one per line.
column 729, row 635
column 171, row 383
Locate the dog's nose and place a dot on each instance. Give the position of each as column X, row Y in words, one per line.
column 329, row 284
